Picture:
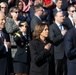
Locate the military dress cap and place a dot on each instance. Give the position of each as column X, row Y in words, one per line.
column 23, row 23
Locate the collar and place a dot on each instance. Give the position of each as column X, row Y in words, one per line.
column 58, row 24
column 75, row 26
column 24, row 33
column 37, row 16
column 70, row 17
column 58, row 9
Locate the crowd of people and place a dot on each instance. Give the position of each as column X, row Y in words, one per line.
column 37, row 37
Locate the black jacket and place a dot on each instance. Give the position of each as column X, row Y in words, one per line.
column 22, row 54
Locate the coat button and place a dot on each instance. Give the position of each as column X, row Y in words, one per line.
column 25, row 51
column 25, row 48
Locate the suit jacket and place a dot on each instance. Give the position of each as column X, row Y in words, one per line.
column 35, row 20
column 65, row 4
column 70, row 50
column 58, row 39
column 42, row 60
column 22, row 54
column 67, row 22
column 2, row 47
column 5, row 57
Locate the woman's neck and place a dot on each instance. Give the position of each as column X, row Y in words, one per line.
column 43, row 39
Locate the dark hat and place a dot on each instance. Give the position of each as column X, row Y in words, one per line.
column 23, row 23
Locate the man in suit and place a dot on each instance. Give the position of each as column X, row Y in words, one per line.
column 70, row 49
column 59, row 7
column 38, row 12
column 5, row 57
column 57, row 32
column 69, row 20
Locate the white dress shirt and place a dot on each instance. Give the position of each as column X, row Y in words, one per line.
column 71, row 19
column 59, row 26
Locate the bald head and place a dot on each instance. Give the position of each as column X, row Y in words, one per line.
column 2, row 20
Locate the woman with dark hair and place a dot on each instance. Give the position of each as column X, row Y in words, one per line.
column 41, row 50
column 23, row 16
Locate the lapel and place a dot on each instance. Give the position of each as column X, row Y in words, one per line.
column 37, row 18
column 56, row 28
column 70, row 22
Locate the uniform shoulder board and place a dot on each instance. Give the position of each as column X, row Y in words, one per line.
column 17, row 34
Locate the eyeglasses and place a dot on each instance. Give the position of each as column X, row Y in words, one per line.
column 16, row 12
column 40, row 10
column 26, row 26
column 73, row 11
column 3, row 7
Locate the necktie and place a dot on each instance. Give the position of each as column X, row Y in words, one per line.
column 60, row 27
column 25, row 36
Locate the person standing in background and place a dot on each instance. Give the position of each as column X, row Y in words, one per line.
column 68, row 21
column 41, row 50
column 6, row 66
column 38, row 12
column 22, row 56
column 57, row 33
column 70, row 48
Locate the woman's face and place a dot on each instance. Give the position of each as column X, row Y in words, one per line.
column 45, row 31
column 23, row 29
column 14, row 14
column 20, row 5
column 3, row 8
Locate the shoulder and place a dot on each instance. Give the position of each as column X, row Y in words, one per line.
column 34, row 41
column 70, row 31
column 9, row 19
column 66, row 19
column 52, row 25
column 18, row 34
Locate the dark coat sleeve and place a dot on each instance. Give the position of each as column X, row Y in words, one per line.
column 39, row 57
column 2, row 47
column 70, row 50
column 54, row 36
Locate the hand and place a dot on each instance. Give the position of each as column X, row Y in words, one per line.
column 47, row 46
column 30, row 3
column 63, row 32
column 7, row 43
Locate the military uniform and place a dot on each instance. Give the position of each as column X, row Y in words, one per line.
column 22, row 56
